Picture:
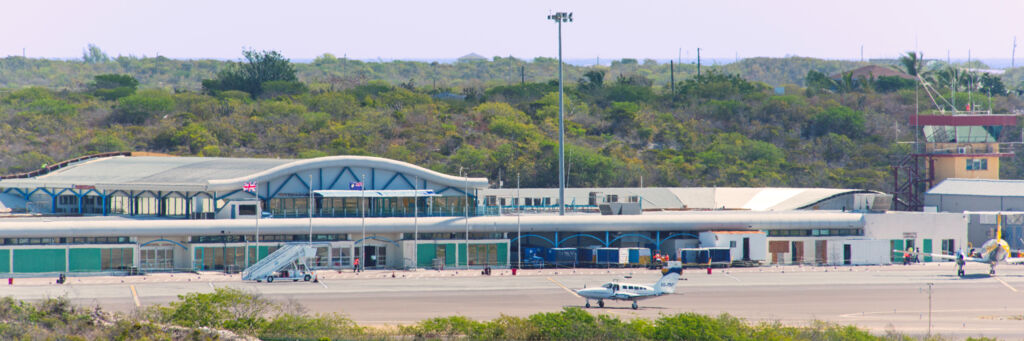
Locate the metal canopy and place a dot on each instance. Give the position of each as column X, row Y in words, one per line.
column 401, row 193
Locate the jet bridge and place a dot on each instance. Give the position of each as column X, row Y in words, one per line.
column 286, row 256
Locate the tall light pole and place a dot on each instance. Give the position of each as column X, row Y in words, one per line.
column 416, row 211
column 559, row 18
column 311, row 210
column 362, row 242
column 466, row 208
column 519, row 226
column 259, row 214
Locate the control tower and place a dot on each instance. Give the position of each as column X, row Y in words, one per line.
column 962, row 145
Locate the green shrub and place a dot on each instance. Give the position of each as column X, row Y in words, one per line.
column 226, row 308
column 327, row 326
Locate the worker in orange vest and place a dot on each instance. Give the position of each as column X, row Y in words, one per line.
column 355, row 265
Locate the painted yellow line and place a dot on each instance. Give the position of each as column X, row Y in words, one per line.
column 1006, row 284
column 135, row 296
column 564, row 287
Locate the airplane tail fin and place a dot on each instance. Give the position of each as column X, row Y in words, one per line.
column 999, row 226
column 667, row 283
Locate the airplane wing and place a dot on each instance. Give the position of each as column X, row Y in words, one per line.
column 949, row 257
column 1015, row 260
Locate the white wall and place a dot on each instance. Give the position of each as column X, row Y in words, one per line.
column 758, row 243
column 918, row 226
column 862, row 251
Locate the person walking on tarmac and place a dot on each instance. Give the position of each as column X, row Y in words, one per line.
column 355, row 265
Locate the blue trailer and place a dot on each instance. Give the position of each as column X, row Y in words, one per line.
column 702, row 257
column 533, row 257
column 561, row 257
column 638, row 256
column 586, row 256
column 612, row 257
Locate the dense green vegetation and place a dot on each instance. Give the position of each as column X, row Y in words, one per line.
column 226, row 313
column 624, row 122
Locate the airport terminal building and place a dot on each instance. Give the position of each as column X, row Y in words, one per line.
column 126, row 212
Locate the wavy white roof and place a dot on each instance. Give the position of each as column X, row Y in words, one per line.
column 745, row 198
column 213, row 173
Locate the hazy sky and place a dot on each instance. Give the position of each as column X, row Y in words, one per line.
column 449, row 29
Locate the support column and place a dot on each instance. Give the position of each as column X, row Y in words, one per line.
column 81, row 198
column 53, row 201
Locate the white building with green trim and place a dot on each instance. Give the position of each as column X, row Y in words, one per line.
column 121, row 213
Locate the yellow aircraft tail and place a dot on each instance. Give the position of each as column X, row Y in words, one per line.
column 999, row 226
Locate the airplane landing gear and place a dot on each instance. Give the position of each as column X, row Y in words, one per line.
column 588, row 304
column 960, row 272
column 600, row 303
column 635, row 306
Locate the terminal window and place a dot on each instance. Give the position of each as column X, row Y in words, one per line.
column 246, row 209
column 977, row 164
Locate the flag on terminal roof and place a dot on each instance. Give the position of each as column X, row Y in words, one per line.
column 249, row 187
column 357, row 186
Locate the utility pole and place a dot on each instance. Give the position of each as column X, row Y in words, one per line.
column 862, row 53
column 672, row 76
column 930, row 309
column 1013, row 53
column 559, row 18
column 698, row 62
column 953, row 79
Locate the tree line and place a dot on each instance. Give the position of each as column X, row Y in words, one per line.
column 716, row 129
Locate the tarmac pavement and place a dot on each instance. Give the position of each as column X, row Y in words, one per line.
column 879, row 298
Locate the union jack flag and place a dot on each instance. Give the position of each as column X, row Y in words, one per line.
column 357, row 186
column 249, row 187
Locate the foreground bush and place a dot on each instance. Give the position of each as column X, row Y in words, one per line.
column 228, row 314
column 577, row 324
column 248, row 313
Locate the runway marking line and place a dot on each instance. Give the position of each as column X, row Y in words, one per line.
column 888, row 312
column 1005, row 284
column 324, row 285
column 211, row 285
column 135, row 296
column 564, row 287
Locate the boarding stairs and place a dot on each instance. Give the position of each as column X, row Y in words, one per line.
column 284, row 257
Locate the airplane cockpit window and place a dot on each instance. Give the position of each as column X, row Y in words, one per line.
column 607, row 286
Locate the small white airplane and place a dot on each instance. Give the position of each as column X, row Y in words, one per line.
column 634, row 292
column 993, row 252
